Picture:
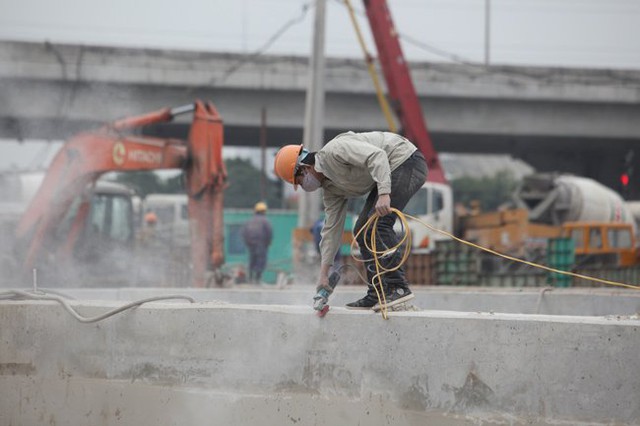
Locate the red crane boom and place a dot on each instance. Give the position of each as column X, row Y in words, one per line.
column 400, row 85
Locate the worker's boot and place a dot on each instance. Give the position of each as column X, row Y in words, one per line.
column 368, row 301
column 395, row 295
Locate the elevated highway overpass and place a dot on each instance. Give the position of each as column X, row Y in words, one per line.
column 572, row 120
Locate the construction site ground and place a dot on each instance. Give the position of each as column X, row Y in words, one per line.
column 259, row 355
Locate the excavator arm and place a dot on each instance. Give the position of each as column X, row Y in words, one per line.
column 206, row 180
column 114, row 147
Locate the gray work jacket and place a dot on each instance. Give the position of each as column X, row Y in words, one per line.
column 354, row 164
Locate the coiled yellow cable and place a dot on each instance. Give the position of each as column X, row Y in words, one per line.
column 371, row 245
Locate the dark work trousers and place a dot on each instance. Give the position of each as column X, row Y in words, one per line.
column 257, row 261
column 406, row 180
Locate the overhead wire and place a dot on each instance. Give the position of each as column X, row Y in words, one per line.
column 424, row 46
column 270, row 41
column 544, row 74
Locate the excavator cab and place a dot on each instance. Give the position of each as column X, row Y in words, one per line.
column 56, row 231
column 105, row 246
column 102, row 253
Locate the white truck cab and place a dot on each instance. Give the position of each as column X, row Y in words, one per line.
column 433, row 204
column 172, row 212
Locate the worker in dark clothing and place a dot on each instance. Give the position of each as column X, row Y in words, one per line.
column 384, row 165
column 257, row 235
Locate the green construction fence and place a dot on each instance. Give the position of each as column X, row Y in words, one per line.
column 280, row 255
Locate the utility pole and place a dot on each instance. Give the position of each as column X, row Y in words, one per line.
column 309, row 203
column 263, row 155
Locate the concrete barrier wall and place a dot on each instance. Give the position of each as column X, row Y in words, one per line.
column 578, row 301
column 207, row 363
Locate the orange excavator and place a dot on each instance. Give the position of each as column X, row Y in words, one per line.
column 117, row 147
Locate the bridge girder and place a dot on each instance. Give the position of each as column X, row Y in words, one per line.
column 579, row 121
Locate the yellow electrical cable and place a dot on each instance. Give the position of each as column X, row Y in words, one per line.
column 515, row 259
column 371, row 246
column 382, row 100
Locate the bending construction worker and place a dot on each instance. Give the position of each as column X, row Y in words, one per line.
column 257, row 235
column 384, row 165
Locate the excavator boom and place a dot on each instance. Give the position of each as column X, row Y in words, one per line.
column 206, row 179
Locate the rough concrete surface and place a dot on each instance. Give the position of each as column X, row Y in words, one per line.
column 212, row 363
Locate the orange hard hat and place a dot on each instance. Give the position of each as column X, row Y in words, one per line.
column 286, row 163
column 150, row 217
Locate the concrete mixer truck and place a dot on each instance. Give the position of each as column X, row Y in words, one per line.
column 551, row 205
column 554, row 199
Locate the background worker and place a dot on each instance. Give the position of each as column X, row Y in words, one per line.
column 257, row 235
column 148, row 233
column 384, row 165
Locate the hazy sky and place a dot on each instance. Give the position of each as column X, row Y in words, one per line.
column 579, row 33
column 576, row 33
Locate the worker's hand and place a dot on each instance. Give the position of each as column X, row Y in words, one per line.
column 323, row 282
column 383, row 205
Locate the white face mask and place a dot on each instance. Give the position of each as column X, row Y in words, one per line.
column 309, row 182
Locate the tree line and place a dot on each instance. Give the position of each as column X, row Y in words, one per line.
column 244, row 186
